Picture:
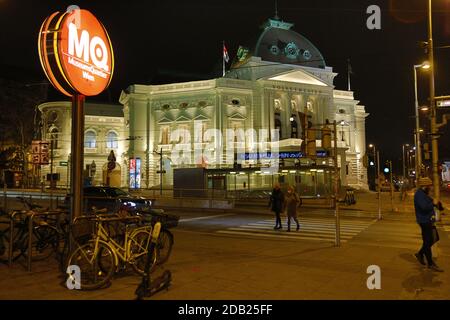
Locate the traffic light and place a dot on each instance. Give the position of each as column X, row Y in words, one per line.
column 386, row 168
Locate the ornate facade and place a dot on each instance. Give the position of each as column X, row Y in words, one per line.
column 104, row 132
column 284, row 84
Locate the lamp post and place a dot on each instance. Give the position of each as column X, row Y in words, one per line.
column 434, row 135
column 425, row 66
column 377, row 160
column 403, row 158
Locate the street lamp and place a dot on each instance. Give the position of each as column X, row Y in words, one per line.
column 425, row 66
column 403, row 158
column 377, row 160
column 434, row 128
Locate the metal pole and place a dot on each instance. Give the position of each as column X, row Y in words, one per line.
column 336, row 190
column 403, row 158
column 30, row 241
column 77, row 155
column 51, row 170
column 434, row 131
column 379, row 186
column 160, row 172
column 392, row 185
column 418, row 146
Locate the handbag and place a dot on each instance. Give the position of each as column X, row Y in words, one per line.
column 435, row 234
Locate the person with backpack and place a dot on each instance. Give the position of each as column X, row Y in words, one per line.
column 277, row 203
column 293, row 201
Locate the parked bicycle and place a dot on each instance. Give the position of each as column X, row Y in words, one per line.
column 45, row 235
column 102, row 256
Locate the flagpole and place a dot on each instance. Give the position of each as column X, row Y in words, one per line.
column 348, row 74
column 223, row 59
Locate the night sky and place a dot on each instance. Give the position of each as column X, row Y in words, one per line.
column 167, row 41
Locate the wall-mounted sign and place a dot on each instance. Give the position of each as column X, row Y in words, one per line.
column 135, row 173
column 443, row 103
column 39, row 152
column 76, row 53
column 281, row 155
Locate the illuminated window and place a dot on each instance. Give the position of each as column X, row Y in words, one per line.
column 90, row 139
column 111, row 140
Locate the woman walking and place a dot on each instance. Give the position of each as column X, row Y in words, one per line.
column 292, row 202
column 277, row 203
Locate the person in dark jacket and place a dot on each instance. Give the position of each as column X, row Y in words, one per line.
column 292, row 201
column 425, row 216
column 277, row 205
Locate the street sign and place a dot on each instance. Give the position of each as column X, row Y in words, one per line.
column 443, row 104
column 164, row 171
column 40, row 152
column 63, row 163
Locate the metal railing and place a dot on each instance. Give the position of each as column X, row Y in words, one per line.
column 31, row 216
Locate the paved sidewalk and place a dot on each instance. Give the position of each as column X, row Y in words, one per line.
column 212, row 266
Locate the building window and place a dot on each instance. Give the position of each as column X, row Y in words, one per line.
column 111, row 140
column 90, row 139
column 54, row 132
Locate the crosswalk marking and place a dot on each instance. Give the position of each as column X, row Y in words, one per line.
column 310, row 229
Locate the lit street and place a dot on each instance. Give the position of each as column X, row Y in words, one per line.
column 225, row 255
column 208, row 150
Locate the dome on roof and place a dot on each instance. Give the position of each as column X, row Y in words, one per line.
column 278, row 43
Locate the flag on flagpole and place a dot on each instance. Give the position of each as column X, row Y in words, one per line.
column 225, row 54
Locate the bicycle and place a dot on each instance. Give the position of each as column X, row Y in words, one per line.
column 100, row 257
column 43, row 235
column 166, row 240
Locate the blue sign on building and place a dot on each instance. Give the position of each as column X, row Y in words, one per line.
column 281, row 155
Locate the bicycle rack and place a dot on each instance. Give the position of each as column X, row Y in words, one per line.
column 30, row 232
column 11, row 233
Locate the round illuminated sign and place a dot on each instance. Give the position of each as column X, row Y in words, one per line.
column 76, row 53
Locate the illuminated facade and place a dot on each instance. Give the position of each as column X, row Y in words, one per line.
column 104, row 132
column 284, row 82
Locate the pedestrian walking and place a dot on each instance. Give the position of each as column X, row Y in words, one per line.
column 276, row 203
column 404, row 187
column 425, row 217
column 292, row 203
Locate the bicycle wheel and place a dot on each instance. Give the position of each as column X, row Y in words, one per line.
column 164, row 245
column 139, row 245
column 44, row 243
column 18, row 243
column 96, row 265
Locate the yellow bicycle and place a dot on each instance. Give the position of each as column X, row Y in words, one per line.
column 100, row 258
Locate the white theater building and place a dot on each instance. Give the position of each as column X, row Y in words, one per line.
column 284, row 82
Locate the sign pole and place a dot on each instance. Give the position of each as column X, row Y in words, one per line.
column 77, row 151
column 336, row 189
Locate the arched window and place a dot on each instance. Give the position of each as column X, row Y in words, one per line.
column 90, row 139
column 111, row 140
column 54, row 132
